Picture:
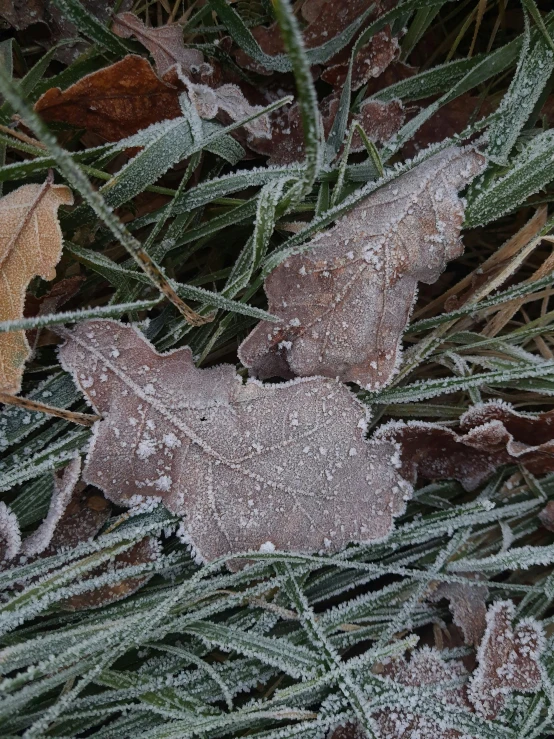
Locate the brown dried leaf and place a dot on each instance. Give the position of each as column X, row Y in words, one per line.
column 345, row 301
column 508, row 660
column 114, row 102
column 165, row 43
column 250, row 466
column 425, row 667
column 493, row 434
column 468, row 607
column 30, row 245
column 50, row 303
column 546, row 516
column 145, row 551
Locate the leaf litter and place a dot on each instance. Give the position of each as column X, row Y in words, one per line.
column 250, row 467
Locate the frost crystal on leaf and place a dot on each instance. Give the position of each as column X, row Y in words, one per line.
column 345, row 301
column 493, row 434
column 247, row 465
column 508, row 660
column 425, row 668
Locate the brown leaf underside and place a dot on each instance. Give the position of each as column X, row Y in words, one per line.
column 344, row 302
column 249, row 466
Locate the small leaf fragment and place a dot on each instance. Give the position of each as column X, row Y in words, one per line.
column 249, row 466
column 468, row 606
column 30, row 246
column 508, row 660
column 345, row 301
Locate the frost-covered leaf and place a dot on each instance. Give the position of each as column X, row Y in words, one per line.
column 508, row 660
column 64, row 486
column 30, row 245
column 546, row 516
column 249, row 466
column 425, row 667
column 114, row 102
column 492, row 434
column 346, row 299
column 468, row 607
column 47, row 304
column 10, row 535
column 165, row 43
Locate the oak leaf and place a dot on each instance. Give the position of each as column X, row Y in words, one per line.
column 249, row 466
column 345, row 301
column 114, row 102
column 509, row 660
column 492, row 434
column 30, row 246
column 165, row 43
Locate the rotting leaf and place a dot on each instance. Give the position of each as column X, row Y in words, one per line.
column 508, row 660
column 468, row 607
column 30, row 245
column 249, row 466
column 165, row 43
column 426, row 667
column 493, row 434
column 10, row 535
column 114, row 102
column 345, row 301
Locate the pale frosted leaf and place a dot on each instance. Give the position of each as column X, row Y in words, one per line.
column 30, row 246
column 508, row 660
column 10, row 534
column 345, row 301
column 64, row 485
column 164, row 43
column 250, row 466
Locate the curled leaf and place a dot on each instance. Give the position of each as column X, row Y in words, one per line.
column 492, row 434
column 165, row 43
column 249, row 466
column 508, row 660
column 114, row 102
column 345, row 301
column 30, row 245
column 468, row 606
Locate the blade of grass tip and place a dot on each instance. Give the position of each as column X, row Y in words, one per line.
column 307, row 99
column 80, row 182
column 534, row 12
column 83, row 419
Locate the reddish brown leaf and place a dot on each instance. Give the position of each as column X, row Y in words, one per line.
column 468, row 606
column 492, row 434
column 345, row 300
column 547, row 516
column 114, row 102
column 50, row 303
column 165, row 43
column 249, row 466
column 508, row 660
column 143, row 552
column 372, row 60
column 379, row 120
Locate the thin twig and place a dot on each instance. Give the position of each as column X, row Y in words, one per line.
column 83, row 419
